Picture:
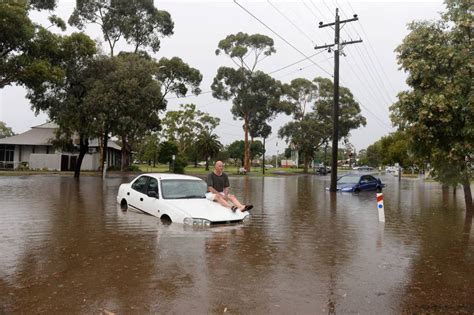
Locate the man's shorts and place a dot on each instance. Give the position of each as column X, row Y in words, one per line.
column 210, row 196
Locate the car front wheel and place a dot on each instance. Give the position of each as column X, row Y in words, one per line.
column 379, row 189
column 124, row 205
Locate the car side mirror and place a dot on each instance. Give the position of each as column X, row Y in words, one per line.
column 152, row 194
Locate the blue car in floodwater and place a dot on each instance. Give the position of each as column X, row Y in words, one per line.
column 357, row 182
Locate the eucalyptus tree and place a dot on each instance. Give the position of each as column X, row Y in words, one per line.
column 28, row 51
column 182, row 126
column 315, row 128
column 251, row 91
column 438, row 111
column 263, row 130
column 130, row 99
column 65, row 101
column 304, row 135
column 177, row 77
column 148, row 148
column 300, row 95
column 139, row 22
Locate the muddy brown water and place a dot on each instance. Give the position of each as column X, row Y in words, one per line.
column 66, row 247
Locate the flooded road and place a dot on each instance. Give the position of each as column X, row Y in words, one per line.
column 66, row 247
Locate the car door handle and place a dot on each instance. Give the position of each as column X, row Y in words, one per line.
column 141, row 199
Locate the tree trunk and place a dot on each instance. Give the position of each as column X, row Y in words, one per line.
column 305, row 164
column 207, row 164
column 468, row 196
column 246, row 145
column 83, row 149
column 125, row 165
column 105, row 140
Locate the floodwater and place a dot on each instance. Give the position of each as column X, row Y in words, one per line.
column 66, row 247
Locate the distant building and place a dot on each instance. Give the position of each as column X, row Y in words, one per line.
column 33, row 148
column 287, row 163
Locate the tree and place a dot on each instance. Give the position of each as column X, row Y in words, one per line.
column 252, row 92
column 143, row 24
column 208, row 145
column 167, row 150
column 64, row 100
column 5, row 131
column 438, row 112
column 148, row 149
column 300, row 95
column 139, row 22
column 28, row 51
column 178, row 77
column 374, row 154
column 256, row 149
column 183, row 125
column 236, row 150
column 305, row 135
column 315, row 128
column 130, row 99
column 362, row 157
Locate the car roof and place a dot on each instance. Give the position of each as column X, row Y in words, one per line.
column 358, row 174
column 170, row 176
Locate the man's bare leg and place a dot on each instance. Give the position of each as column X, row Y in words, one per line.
column 236, row 202
column 221, row 200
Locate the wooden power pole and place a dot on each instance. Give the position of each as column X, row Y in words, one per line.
column 337, row 48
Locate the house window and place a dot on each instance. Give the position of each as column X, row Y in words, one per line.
column 7, row 153
column 33, row 149
column 47, row 150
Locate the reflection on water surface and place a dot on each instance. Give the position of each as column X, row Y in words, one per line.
column 68, row 247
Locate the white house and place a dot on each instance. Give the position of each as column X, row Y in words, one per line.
column 33, row 148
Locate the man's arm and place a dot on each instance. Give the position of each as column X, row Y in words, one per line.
column 226, row 191
column 212, row 190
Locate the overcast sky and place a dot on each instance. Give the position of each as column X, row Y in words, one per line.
column 368, row 69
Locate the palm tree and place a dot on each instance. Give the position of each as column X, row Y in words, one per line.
column 208, row 145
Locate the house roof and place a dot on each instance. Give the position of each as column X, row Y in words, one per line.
column 38, row 135
column 43, row 135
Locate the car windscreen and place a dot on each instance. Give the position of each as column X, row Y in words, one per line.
column 183, row 188
column 349, row 179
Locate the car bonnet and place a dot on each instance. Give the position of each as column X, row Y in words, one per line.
column 206, row 209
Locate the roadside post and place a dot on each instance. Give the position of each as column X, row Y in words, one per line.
column 104, row 170
column 380, row 207
column 174, row 158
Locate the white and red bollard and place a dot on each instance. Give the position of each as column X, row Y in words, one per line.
column 380, row 207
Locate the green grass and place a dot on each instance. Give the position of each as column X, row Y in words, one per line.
column 231, row 170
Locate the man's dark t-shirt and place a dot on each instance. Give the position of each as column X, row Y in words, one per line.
column 218, row 182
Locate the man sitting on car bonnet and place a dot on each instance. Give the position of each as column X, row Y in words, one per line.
column 218, row 187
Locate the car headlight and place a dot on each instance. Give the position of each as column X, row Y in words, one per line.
column 346, row 189
column 246, row 218
column 196, row 222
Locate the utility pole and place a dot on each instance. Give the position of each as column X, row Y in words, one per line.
column 335, row 114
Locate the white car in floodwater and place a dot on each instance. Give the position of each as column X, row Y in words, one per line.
column 176, row 198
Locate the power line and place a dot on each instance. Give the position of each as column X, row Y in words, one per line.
column 296, row 62
column 369, row 71
column 380, row 81
column 291, row 22
column 370, row 46
column 281, row 37
column 300, row 69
